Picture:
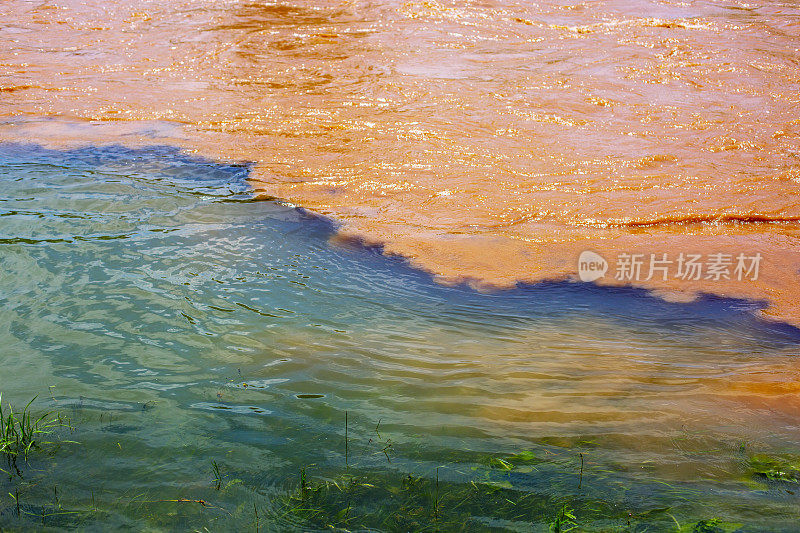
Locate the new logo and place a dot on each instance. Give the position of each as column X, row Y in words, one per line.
column 591, row 266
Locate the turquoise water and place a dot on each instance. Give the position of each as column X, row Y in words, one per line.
column 176, row 321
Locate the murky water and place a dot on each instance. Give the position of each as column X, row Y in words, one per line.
column 179, row 322
column 441, row 129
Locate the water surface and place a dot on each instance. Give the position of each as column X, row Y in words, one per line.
column 177, row 321
column 442, row 129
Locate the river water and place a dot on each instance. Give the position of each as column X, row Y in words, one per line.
column 438, row 130
column 176, row 321
column 227, row 228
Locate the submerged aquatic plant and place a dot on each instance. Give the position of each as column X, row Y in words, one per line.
column 20, row 433
column 391, row 501
column 523, row 461
column 776, row 468
column 565, row 521
column 220, row 478
column 217, row 475
column 714, row 525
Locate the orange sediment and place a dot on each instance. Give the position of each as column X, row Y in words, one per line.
column 486, row 141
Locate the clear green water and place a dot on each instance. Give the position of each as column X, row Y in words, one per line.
column 177, row 322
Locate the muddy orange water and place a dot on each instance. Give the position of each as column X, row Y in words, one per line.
column 487, row 141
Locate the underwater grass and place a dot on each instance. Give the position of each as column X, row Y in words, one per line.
column 219, row 479
column 776, row 467
column 499, row 494
column 530, row 490
column 21, row 433
column 380, row 501
column 374, row 499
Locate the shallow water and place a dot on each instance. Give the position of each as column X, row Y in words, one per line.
column 177, row 321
